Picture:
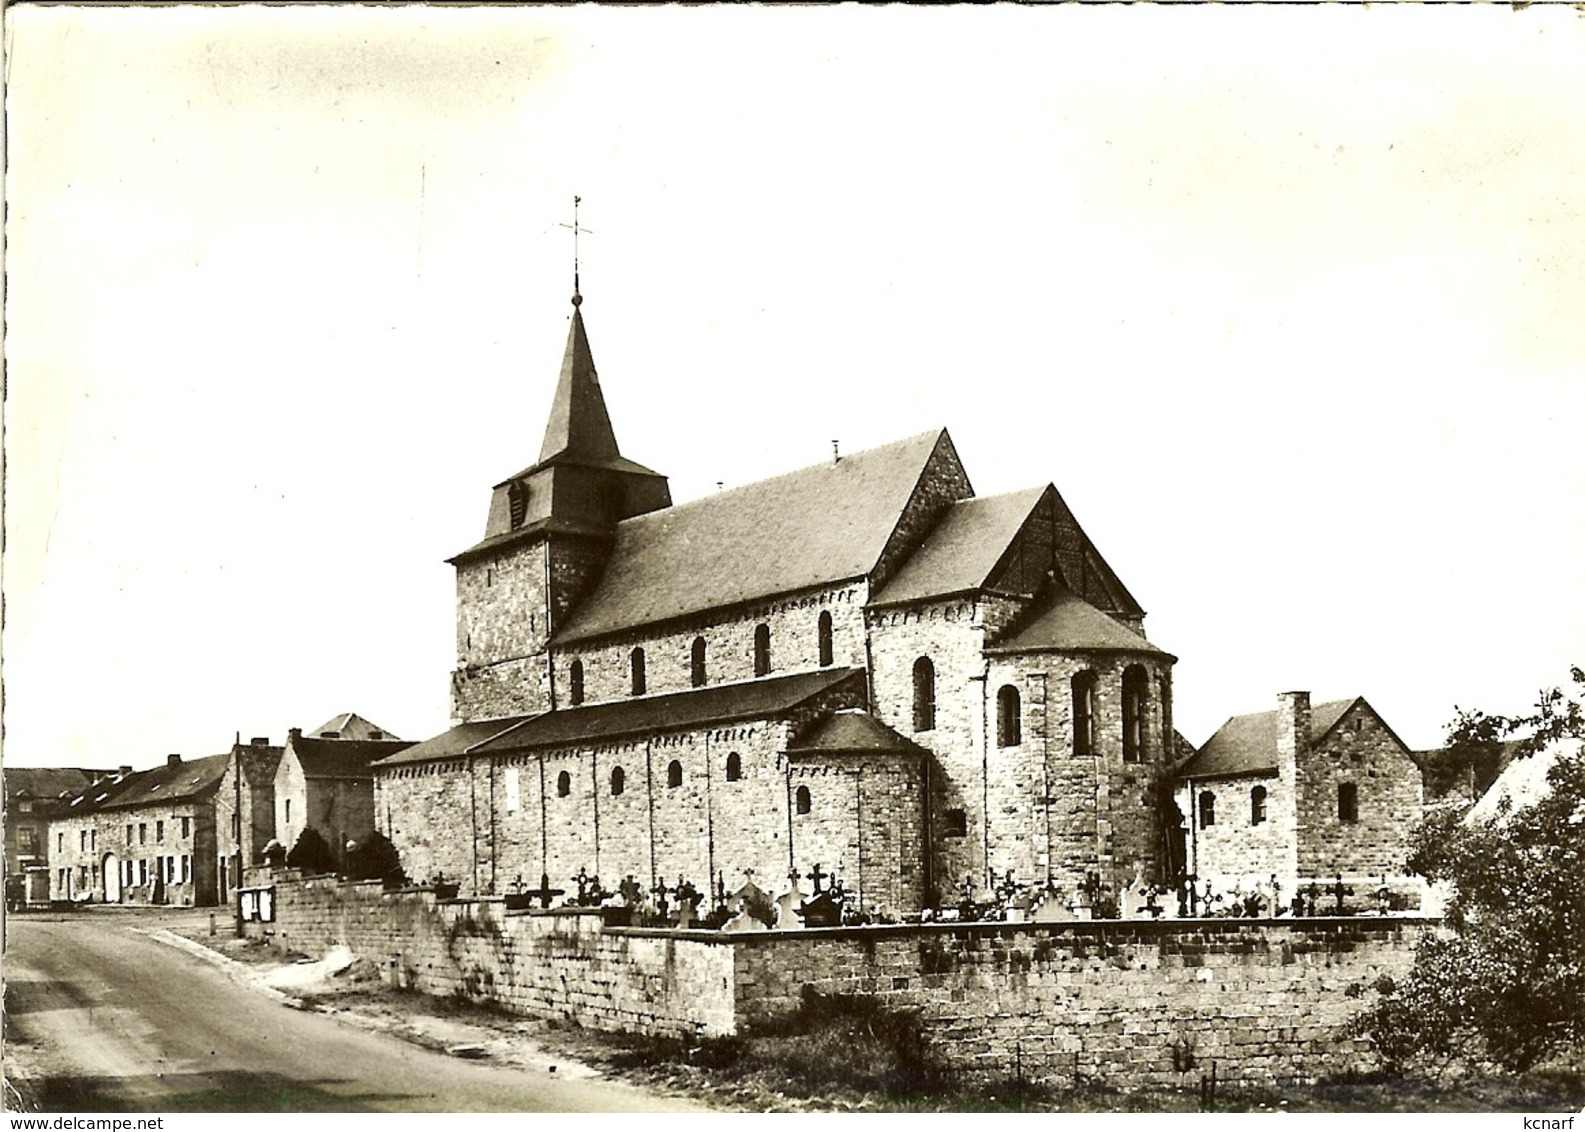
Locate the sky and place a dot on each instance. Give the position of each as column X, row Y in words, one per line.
column 1285, row 301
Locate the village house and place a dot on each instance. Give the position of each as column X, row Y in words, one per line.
column 141, row 838
column 33, row 796
column 323, row 781
column 858, row 667
column 244, row 812
column 1303, row 793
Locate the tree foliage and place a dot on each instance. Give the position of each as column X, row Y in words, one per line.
column 374, row 858
column 1507, row 983
column 311, row 853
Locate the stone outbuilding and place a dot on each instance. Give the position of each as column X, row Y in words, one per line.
column 323, row 781
column 1305, row 794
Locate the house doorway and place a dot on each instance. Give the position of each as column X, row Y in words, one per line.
column 110, row 873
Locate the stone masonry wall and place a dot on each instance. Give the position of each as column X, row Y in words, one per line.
column 729, row 646
column 1361, row 750
column 501, row 615
column 1234, row 850
column 950, row 634
column 1123, row 1004
column 865, row 825
column 1119, row 1003
column 558, row 965
column 1060, row 815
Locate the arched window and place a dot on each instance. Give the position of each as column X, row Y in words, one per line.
column 1135, row 690
column 563, row 784
column 575, row 682
column 618, row 781
column 1257, row 805
column 762, row 650
column 636, row 658
column 1347, row 802
column 696, row 662
column 1009, row 717
column 801, row 799
column 674, row 774
column 825, row 640
column 1207, row 809
column 924, row 695
column 1084, row 713
column 734, row 767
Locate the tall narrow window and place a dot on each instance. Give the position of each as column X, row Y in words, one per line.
column 1084, row 713
column 1009, row 717
column 734, row 766
column 924, row 695
column 575, row 683
column 825, row 640
column 801, row 799
column 1207, row 810
column 1257, row 805
column 563, row 784
column 1347, row 802
column 1135, row 685
column 762, row 650
column 618, row 781
column 636, row 658
column 696, row 662
column 674, row 774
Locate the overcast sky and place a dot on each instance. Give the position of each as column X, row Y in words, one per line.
column 1286, row 302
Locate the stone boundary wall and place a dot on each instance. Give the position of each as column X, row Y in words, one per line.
column 1123, row 1003
column 557, row 964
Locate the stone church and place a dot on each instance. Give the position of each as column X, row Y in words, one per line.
column 860, row 667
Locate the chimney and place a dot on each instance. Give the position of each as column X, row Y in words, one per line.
column 173, row 760
column 1293, row 724
column 123, row 771
column 261, row 740
column 294, row 735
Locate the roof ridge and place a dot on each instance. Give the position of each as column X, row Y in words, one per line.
column 780, row 476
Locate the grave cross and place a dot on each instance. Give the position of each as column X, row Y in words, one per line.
column 817, row 876
column 1338, row 891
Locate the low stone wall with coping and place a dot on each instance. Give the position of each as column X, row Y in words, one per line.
column 1126, row 1003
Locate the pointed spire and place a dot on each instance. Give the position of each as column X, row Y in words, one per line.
column 579, row 426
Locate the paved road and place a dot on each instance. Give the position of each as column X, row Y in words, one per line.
column 100, row 1018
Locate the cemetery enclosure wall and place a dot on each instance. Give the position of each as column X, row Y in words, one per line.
column 558, row 964
column 1124, row 1003
column 1120, row 1003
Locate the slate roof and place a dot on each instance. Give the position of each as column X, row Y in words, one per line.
column 963, row 549
column 351, row 725
column 259, row 763
column 797, row 531
column 1068, row 623
column 1247, row 744
column 767, row 698
column 191, row 778
column 343, row 758
column 48, row 783
column 853, row 731
column 449, row 744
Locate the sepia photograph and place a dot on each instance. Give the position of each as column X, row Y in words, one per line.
column 773, row 558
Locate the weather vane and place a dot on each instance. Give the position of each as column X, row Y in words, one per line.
column 577, row 297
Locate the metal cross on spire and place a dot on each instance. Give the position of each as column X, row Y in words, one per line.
column 577, row 297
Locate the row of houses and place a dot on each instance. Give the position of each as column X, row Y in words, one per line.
column 182, row 832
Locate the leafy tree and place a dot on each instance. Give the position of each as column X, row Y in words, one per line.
column 374, row 858
column 311, row 853
column 1507, row 984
